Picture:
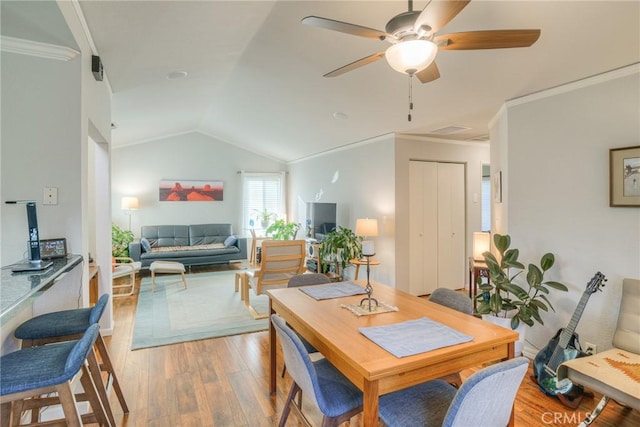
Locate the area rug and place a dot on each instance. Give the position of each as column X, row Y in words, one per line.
column 208, row 308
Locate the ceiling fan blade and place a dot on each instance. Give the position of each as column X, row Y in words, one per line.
column 429, row 74
column 345, row 27
column 437, row 13
column 355, row 64
column 491, row 39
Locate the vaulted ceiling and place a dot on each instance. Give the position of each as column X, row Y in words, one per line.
column 255, row 73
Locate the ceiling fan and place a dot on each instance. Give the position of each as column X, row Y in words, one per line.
column 414, row 42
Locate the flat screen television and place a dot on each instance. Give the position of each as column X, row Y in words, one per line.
column 321, row 219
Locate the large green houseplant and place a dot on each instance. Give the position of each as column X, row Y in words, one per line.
column 281, row 230
column 340, row 246
column 508, row 293
column 120, row 240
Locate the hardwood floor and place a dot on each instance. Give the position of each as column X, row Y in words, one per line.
column 223, row 382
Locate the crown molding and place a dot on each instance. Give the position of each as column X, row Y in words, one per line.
column 39, row 49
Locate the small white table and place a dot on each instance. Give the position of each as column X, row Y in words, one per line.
column 170, row 267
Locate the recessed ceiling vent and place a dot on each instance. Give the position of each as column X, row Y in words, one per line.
column 448, row 130
column 480, row 138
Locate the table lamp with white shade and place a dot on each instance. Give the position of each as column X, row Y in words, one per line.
column 367, row 227
column 481, row 244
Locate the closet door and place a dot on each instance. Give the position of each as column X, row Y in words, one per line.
column 436, row 226
column 423, row 227
column 451, row 225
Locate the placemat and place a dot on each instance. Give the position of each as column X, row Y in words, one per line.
column 414, row 336
column 334, row 290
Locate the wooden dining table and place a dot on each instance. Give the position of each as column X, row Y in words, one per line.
column 333, row 330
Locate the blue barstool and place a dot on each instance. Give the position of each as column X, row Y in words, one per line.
column 70, row 325
column 29, row 373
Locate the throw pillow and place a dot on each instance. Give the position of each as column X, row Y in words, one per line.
column 230, row 241
column 146, row 246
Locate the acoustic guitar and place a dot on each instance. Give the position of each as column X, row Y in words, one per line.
column 564, row 346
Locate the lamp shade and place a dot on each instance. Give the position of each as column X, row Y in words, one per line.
column 129, row 203
column 367, row 227
column 411, row 56
column 481, row 244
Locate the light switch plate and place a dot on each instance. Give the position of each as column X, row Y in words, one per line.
column 50, row 196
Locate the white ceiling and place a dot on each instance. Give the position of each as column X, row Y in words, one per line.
column 255, row 72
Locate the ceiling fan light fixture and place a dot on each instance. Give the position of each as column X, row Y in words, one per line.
column 411, row 56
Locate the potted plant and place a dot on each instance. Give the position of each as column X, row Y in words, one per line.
column 340, row 246
column 265, row 217
column 503, row 297
column 120, row 240
column 281, row 230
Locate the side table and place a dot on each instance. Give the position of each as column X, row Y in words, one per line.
column 359, row 262
column 476, row 269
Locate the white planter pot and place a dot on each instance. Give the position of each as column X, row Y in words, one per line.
column 505, row 322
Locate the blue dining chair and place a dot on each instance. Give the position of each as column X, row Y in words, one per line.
column 336, row 397
column 306, row 279
column 459, row 302
column 484, row 399
column 452, row 299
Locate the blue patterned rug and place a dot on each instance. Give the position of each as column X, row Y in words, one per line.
column 208, row 308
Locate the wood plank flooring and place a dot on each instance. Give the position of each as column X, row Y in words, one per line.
column 224, row 382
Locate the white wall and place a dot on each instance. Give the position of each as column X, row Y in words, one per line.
column 40, row 148
column 557, row 194
column 360, row 179
column 138, row 169
column 47, row 108
column 472, row 154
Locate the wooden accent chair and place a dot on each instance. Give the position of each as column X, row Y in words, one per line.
column 281, row 260
column 123, row 267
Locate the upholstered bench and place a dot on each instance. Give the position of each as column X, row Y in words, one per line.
column 169, row 267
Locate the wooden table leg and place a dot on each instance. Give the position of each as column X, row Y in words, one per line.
column 272, row 354
column 357, row 271
column 370, row 404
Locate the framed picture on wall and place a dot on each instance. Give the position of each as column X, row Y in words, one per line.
column 172, row 190
column 624, row 176
column 496, row 187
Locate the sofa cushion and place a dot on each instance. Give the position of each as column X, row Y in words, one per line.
column 188, row 248
column 146, row 246
column 203, row 234
column 230, row 241
column 166, row 235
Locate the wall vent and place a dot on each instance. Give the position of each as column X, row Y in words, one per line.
column 448, row 130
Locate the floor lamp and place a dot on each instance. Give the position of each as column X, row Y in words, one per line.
column 129, row 204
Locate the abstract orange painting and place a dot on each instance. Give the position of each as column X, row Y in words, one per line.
column 191, row 191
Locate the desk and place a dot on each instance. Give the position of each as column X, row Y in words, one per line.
column 359, row 262
column 476, row 269
column 372, row 369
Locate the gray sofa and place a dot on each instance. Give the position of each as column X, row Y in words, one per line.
column 197, row 244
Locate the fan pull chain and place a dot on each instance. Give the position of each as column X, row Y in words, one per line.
column 410, row 96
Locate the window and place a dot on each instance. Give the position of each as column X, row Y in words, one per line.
column 262, row 192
